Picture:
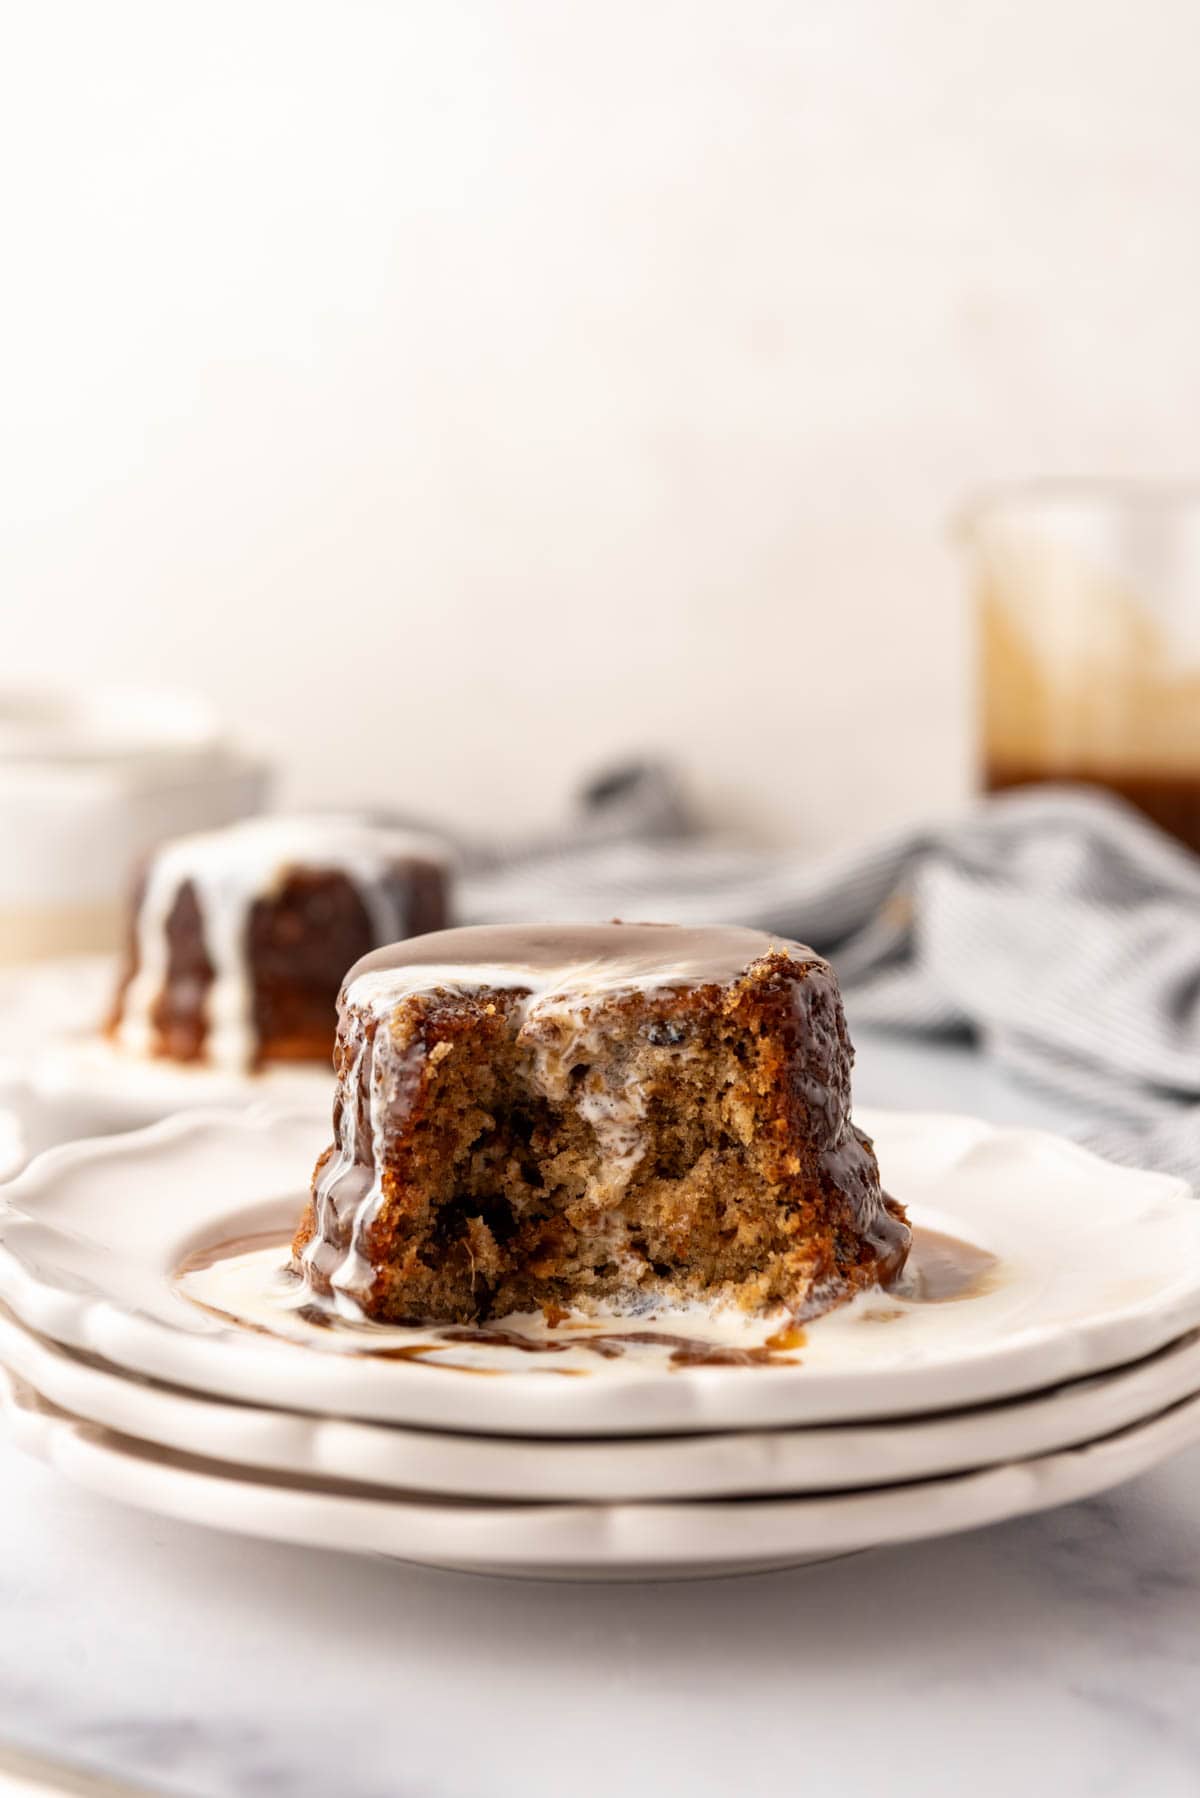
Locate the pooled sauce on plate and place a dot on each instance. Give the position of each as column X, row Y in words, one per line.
column 250, row 1243
column 686, row 1351
column 942, row 1269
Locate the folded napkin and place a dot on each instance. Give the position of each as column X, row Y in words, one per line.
column 1053, row 922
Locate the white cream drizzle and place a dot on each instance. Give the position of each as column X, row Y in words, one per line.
column 568, row 979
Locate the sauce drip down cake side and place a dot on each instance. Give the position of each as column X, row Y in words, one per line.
column 616, row 1115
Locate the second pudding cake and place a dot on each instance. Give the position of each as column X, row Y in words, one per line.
column 615, row 1115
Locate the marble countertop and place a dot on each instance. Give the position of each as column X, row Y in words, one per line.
column 1057, row 1653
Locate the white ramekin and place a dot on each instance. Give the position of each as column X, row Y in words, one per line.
column 89, row 783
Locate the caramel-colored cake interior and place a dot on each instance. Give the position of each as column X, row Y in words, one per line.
column 648, row 1146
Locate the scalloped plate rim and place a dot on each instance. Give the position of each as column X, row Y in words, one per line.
column 583, row 1541
column 631, row 1469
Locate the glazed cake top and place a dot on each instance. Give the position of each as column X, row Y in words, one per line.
column 576, row 961
column 253, row 855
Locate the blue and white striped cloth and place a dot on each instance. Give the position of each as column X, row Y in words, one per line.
column 1053, row 922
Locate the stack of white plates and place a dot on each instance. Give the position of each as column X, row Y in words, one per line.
column 1044, row 1346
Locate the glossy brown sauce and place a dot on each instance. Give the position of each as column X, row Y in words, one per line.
column 251, row 1243
column 944, row 1268
column 686, row 1351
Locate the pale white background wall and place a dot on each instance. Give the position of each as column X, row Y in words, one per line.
column 460, row 392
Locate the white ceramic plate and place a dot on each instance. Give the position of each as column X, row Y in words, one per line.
column 13, row 1151
column 86, row 1077
column 821, row 1459
column 652, row 1541
column 1097, row 1266
column 43, row 1000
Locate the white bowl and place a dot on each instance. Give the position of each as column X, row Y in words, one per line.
column 89, row 784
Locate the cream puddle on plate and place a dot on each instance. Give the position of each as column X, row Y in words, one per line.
column 248, row 1282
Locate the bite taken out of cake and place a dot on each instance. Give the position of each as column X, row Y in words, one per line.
column 239, row 938
column 613, row 1116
